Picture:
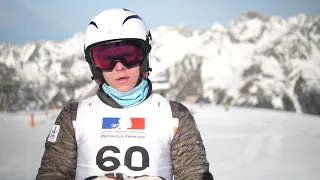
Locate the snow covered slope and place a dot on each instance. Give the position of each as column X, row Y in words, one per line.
column 241, row 144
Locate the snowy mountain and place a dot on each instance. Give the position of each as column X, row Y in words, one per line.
column 257, row 60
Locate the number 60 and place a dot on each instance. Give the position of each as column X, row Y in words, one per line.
column 100, row 160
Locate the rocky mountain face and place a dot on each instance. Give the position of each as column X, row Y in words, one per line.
column 256, row 60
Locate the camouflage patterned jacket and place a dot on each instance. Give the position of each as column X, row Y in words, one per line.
column 188, row 153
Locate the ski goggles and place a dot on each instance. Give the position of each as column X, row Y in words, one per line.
column 106, row 55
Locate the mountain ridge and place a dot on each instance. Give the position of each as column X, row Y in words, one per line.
column 256, row 60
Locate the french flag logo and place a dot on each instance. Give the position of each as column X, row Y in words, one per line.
column 123, row 123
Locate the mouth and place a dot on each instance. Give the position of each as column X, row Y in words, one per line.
column 122, row 79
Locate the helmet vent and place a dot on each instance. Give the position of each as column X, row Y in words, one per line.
column 93, row 23
column 131, row 17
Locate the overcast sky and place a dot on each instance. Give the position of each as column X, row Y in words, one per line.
column 23, row 21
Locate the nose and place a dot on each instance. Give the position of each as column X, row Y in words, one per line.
column 119, row 66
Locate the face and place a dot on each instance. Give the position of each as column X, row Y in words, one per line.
column 121, row 78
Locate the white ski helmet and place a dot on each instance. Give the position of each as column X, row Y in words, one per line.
column 113, row 25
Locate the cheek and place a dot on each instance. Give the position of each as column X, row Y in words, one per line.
column 136, row 73
column 106, row 75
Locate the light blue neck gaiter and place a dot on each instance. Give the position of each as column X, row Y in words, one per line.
column 130, row 98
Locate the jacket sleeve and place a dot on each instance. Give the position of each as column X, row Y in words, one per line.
column 188, row 153
column 59, row 159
